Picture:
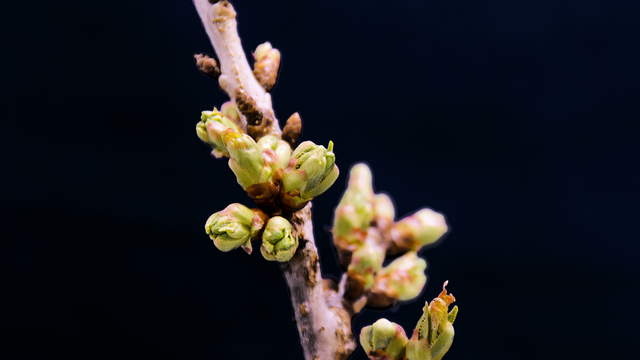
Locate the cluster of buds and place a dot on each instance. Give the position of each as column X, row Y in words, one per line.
column 237, row 225
column 311, row 171
column 269, row 171
column 431, row 339
column 364, row 231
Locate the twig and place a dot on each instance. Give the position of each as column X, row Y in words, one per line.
column 323, row 318
column 324, row 324
column 236, row 77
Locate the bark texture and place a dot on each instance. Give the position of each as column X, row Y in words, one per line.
column 324, row 323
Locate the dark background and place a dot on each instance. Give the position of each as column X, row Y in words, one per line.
column 516, row 119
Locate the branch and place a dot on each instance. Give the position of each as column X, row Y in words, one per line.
column 236, row 77
column 322, row 316
column 324, row 324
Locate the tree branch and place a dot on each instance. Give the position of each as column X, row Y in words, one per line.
column 323, row 317
column 324, row 323
column 236, row 77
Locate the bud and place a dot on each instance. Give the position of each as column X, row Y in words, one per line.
column 422, row 228
column 366, row 261
column 267, row 64
column 384, row 211
column 403, row 279
column 292, row 129
column 434, row 332
column 276, row 151
column 246, row 160
column 211, row 129
column 354, row 213
column 311, row 172
column 278, row 241
column 233, row 227
column 383, row 340
column 207, row 65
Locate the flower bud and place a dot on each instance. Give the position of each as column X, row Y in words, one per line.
column 278, row 241
column 383, row 340
column 276, row 151
column 311, row 172
column 211, row 129
column 384, row 211
column 354, row 213
column 433, row 334
column 234, row 227
column 403, row 279
column 366, row 261
column 422, row 228
column 267, row 64
column 246, row 160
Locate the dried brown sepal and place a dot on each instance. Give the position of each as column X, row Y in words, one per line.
column 354, row 289
column 289, row 201
column 379, row 300
column 264, row 195
column 207, row 65
column 292, row 129
column 267, row 64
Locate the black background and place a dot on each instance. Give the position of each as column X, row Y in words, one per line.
column 516, row 119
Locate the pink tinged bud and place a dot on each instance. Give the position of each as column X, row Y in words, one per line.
column 422, row 228
column 383, row 340
column 246, row 160
column 211, row 129
column 365, row 263
column 234, row 227
column 354, row 213
column 403, row 279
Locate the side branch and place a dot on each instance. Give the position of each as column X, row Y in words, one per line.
column 324, row 323
column 236, row 77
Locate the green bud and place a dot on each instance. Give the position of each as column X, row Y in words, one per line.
column 354, row 213
column 233, row 227
column 383, row 340
column 422, row 228
column 434, row 332
column 211, row 129
column 366, row 261
column 311, row 172
column 278, row 241
column 246, row 160
column 403, row 278
column 276, row 151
